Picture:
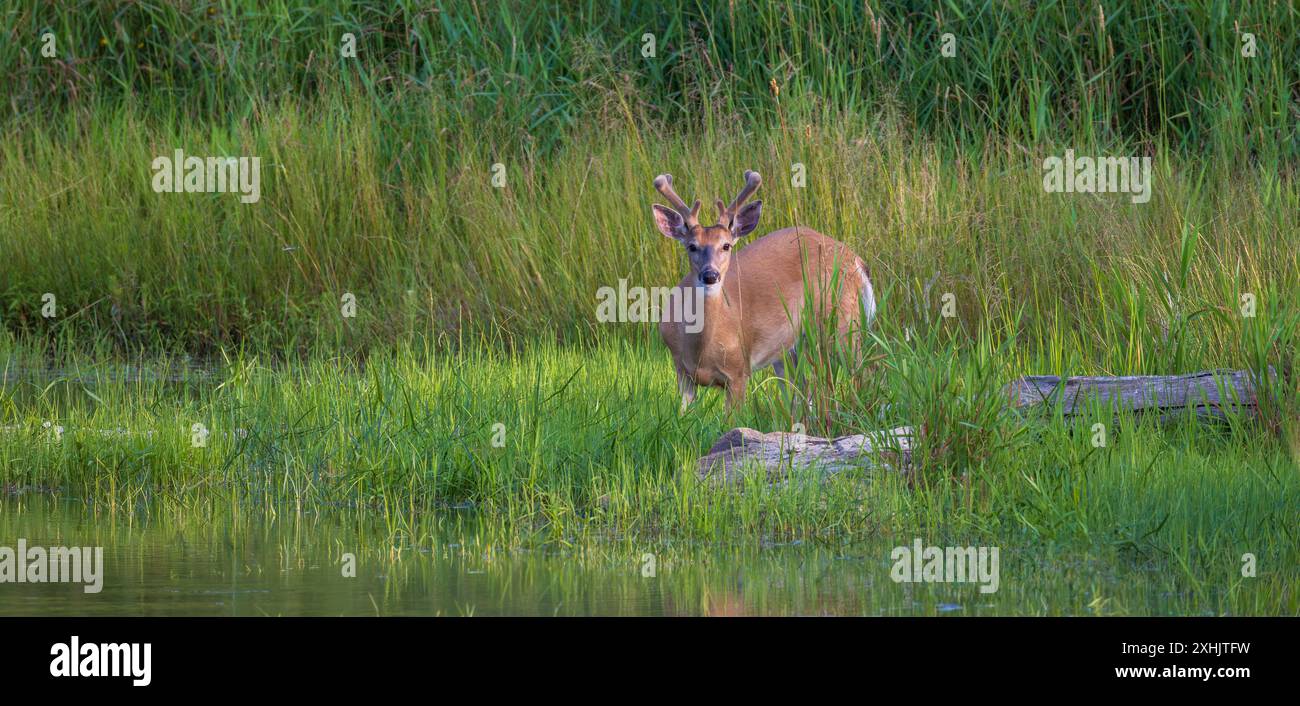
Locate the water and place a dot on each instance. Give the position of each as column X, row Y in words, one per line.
column 257, row 564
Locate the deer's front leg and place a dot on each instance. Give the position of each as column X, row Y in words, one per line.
column 736, row 392
column 686, row 386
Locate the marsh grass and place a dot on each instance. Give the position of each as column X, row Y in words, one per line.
column 377, row 171
column 436, row 249
column 529, row 74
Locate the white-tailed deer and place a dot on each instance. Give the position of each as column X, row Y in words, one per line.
column 753, row 296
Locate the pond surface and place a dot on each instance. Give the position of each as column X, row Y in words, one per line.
column 296, row 565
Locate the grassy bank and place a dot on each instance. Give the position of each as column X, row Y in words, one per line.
column 591, row 453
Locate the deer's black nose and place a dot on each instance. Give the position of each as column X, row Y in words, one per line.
column 710, row 276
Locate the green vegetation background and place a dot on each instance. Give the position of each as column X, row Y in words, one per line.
column 376, row 169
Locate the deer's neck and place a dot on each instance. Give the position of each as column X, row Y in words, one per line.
column 720, row 326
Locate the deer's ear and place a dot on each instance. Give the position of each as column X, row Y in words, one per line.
column 744, row 222
column 670, row 222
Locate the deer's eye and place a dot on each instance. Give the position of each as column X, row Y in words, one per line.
column 726, row 247
column 692, row 248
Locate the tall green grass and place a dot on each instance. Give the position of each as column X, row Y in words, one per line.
column 419, row 234
column 530, row 73
column 377, row 170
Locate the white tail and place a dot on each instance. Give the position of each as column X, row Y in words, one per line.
column 754, row 296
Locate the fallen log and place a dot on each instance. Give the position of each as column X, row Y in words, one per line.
column 1215, row 393
column 779, row 452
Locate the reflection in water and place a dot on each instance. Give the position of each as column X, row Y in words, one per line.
column 177, row 560
column 261, row 564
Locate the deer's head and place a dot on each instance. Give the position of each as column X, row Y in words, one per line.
column 708, row 248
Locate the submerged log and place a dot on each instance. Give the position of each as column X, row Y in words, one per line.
column 1215, row 393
